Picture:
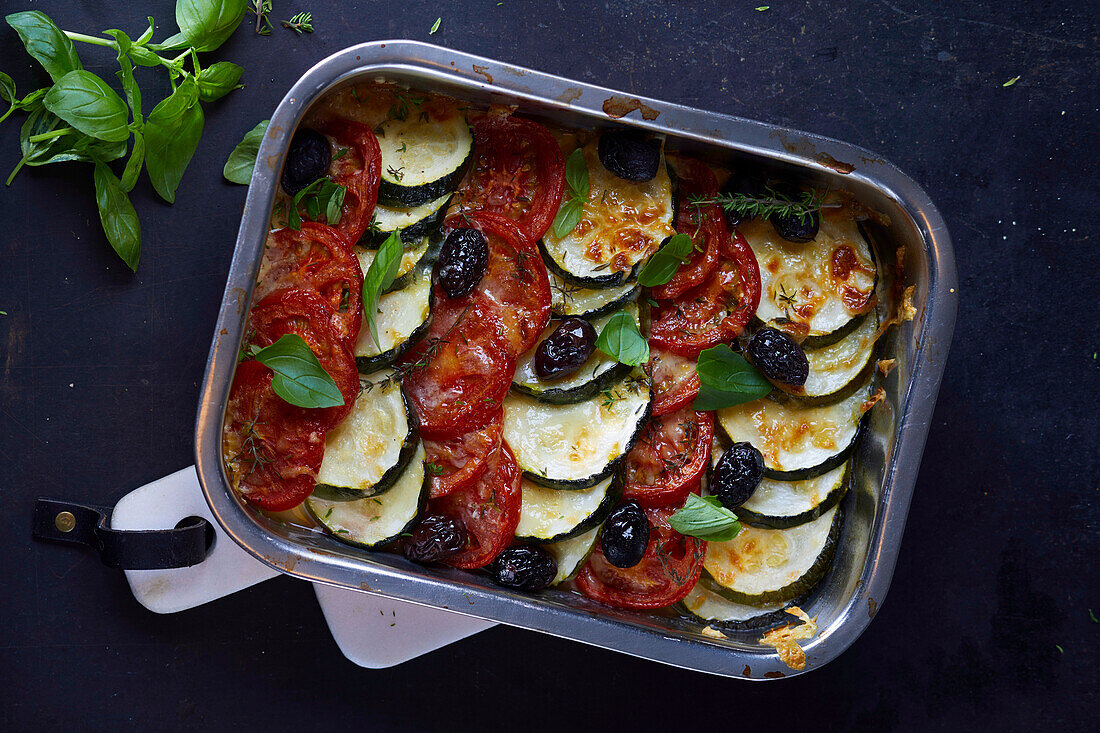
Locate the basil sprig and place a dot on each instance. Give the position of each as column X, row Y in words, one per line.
column 621, row 340
column 705, row 518
column 320, row 198
column 299, row 377
column 666, row 261
column 726, row 379
column 379, row 277
column 238, row 168
column 576, row 179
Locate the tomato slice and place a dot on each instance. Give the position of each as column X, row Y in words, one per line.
column 305, row 313
column 273, row 449
column 715, row 311
column 515, row 283
column 359, row 170
column 489, row 507
column 458, row 376
column 675, row 381
column 518, row 171
column 705, row 225
column 455, row 463
column 667, row 572
column 318, row 258
column 669, row 458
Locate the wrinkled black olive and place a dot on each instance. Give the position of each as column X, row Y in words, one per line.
column 306, row 160
column 625, row 535
column 629, row 155
column 746, row 183
column 779, row 357
column 462, row 261
column 738, row 472
column 436, row 538
column 565, row 350
column 798, row 229
column 524, row 567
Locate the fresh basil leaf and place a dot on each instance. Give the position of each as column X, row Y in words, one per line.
column 299, row 377
column 176, row 42
column 9, row 94
column 620, row 339
column 144, row 57
column 666, row 261
column 45, row 42
column 379, row 277
column 120, row 221
column 238, row 168
column 133, row 165
column 334, row 204
column 125, row 74
column 207, row 24
column 144, row 37
column 705, row 518
column 66, row 148
column 293, row 218
column 576, row 174
column 217, row 80
column 172, row 133
column 726, row 379
column 86, row 102
column 568, row 216
column 32, row 99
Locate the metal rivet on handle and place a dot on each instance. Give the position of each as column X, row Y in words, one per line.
column 65, row 521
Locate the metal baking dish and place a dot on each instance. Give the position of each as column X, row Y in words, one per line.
column 846, row 600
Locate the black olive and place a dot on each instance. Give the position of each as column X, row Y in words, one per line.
column 629, row 155
column 306, row 160
column 625, row 535
column 565, row 350
column 737, row 474
column 462, row 261
column 436, row 538
column 798, row 229
column 779, row 357
column 746, row 183
column 524, row 567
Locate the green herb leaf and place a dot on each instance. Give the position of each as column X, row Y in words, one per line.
column 1011, row 81
column 379, row 277
column 238, row 168
column 120, row 221
column 322, row 198
column 67, row 145
column 726, row 379
column 299, row 377
column 576, row 174
column 125, row 74
column 620, row 339
column 172, row 133
column 8, row 93
column 217, row 80
column 133, row 165
column 176, row 42
column 207, row 24
column 300, row 23
column 86, row 102
column 568, row 216
column 435, row 26
column 142, row 56
column 705, row 518
column 47, row 43
column 666, row 261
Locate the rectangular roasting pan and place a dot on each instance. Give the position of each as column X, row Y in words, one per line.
column 889, row 454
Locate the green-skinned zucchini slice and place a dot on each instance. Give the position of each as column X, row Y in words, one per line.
column 712, row 609
column 424, row 156
column 552, row 515
column 783, row 504
column 403, row 318
column 415, row 223
column 572, row 554
column 569, row 300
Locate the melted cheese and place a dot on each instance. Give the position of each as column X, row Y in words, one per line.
column 548, row 513
column 774, row 498
column 400, row 313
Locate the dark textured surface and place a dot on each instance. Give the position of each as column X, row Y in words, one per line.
column 100, row 373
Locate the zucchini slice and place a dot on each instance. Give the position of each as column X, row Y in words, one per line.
column 826, row 284
column 403, row 317
column 772, row 565
column 551, row 515
column 424, row 156
column 623, row 223
column 416, row 254
column 375, row 520
column 415, row 222
column 569, row 300
column 798, row 441
column 367, row 452
column 576, row 446
column 572, row 554
column 709, row 607
column 600, row 372
column 838, row 368
column 784, row 504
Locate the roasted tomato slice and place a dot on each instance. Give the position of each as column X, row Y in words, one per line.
column 318, row 258
column 515, row 283
column 675, row 381
column 359, row 170
column 667, row 572
column 273, row 449
column 715, row 311
column 518, row 171
column 458, row 376
column 669, row 458
column 489, row 507
column 305, row 313
column 455, row 463
column 704, row 224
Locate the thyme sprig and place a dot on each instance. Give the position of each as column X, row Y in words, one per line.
column 261, row 8
column 300, row 23
column 772, row 203
column 431, row 350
